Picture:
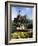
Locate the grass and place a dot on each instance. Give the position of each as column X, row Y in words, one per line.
column 18, row 35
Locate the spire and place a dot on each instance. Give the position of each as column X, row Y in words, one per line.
column 19, row 11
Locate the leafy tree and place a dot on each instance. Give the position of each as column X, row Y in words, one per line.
column 22, row 20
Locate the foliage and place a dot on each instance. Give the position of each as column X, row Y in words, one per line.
column 22, row 20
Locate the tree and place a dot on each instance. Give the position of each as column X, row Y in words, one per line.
column 22, row 20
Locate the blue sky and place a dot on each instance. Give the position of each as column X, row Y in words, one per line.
column 23, row 11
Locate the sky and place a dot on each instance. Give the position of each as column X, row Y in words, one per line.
column 23, row 11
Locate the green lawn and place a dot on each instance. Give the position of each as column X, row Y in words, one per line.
column 18, row 35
